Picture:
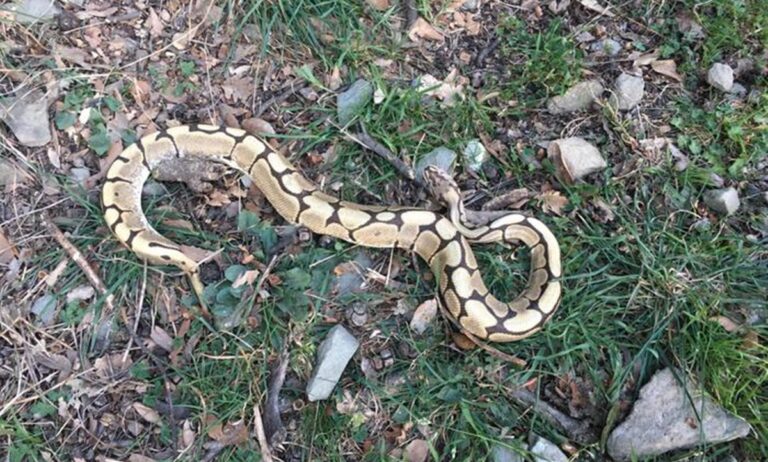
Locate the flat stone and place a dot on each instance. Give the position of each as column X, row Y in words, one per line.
column 663, row 420
column 441, row 157
column 724, row 201
column 154, row 189
column 79, row 174
column 628, row 92
column 475, row 154
column 27, row 117
column 349, row 103
column 501, row 453
column 332, row 358
column 546, row 451
column 575, row 157
column 576, row 98
column 720, row 76
column 32, row 11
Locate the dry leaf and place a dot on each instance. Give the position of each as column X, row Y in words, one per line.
column 595, row 6
column 161, row 338
column 463, row 342
column 728, row 324
column 7, row 250
column 552, row 201
column 187, row 437
column 422, row 29
column 147, row 413
column 667, row 67
column 423, row 316
column 417, row 451
column 230, row 434
column 248, row 277
column 380, row 5
column 178, row 223
column 646, row 59
column 84, row 292
column 154, row 24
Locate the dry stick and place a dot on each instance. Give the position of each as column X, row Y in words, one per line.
column 266, row 454
column 273, row 424
column 283, row 94
column 577, row 430
column 366, row 141
column 79, row 258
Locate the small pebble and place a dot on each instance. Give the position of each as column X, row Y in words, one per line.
column 629, row 90
column 475, row 154
column 724, row 201
column 80, row 174
column 720, row 76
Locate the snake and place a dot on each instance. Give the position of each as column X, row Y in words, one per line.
column 443, row 242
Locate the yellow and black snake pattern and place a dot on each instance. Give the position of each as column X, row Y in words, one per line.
column 444, row 243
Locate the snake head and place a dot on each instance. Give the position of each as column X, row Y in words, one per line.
column 441, row 185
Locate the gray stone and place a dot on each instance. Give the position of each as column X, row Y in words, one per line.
column 738, row 90
column 608, row 46
column 441, row 157
column 45, row 309
column 576, row 98
column 475, row 154
column 720, row 76
column 32, row 11
column 501, row 453
column 663, row 420
column 154, row 189
column 332, row 357
column 546, row 451
column 629, row 90
column 350, row 102
column 470, row 5
column 724, row 201
column 27, row 116
column 79, row 174
column 575, row 157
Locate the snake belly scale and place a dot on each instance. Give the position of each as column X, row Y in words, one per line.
column 435, row 238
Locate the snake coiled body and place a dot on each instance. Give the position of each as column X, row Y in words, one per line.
column 438, row 240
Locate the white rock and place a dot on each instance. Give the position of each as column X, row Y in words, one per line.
column 440, row 157
column 332, row 357
column 27, row 117
column 664, row 420
column 79, row 174
column 475, row 154
column 547, row 451
column 720, row 76
column 423, row 316
column 575, row 157
column 32, row 11
column 724, row 201
column 576, row 98
column 629, row 90
column 504, row 454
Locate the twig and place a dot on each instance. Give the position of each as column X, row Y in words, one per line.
column 79, row 258
column 492, row 45
column 266, row 454
column 282, row 95
column 273, row 424
column 366, row 141
column 577, row 430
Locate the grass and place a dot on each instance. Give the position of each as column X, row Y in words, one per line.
column 643, row 291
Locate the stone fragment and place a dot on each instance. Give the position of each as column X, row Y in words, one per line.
column 724, row 201
column 546, row 451
column 628, row 92
column 350, row 102
column 332, row 357
column 575, row 157
column 720, row 76
column 441, row 157
column 27, row 116
column 576, row 98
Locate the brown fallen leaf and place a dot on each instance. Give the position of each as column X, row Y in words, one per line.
column 646, row 59
column 552, row 201
column 417, row 451
column 179, row 223
column 161, row 338
column 463, row 342
column 7, row 250
column 727, row 323
column 147, row 413
column 154, row 23
column 248, row 277
column 379, row 5
column 421, row 29
column 667, row 67
column 231, row 433
column 596, row 7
